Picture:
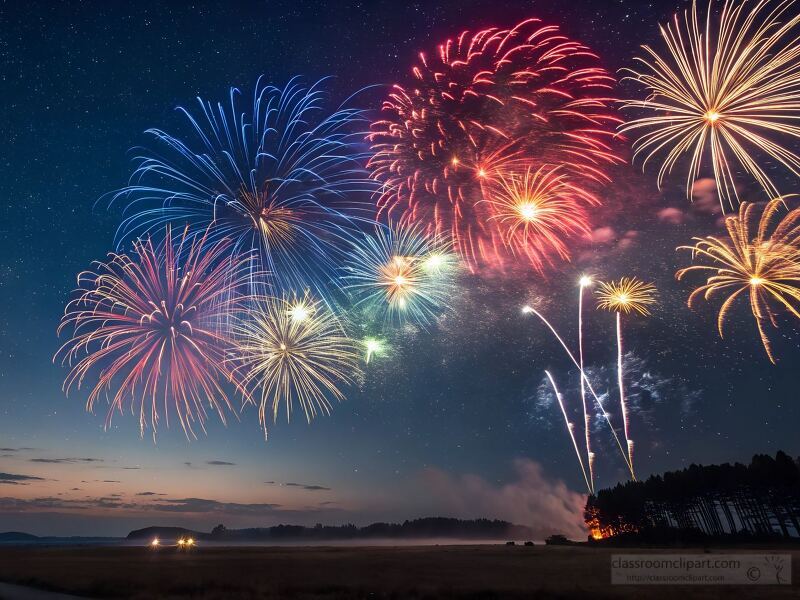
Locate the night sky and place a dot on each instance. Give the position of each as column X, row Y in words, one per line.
column 455, row 421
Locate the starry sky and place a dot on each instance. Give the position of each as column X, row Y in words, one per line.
column 456, row 419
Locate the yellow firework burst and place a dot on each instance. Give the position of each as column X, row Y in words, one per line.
column 729, row 87
column 764, row 265
column 627, row 295
column 293, row 350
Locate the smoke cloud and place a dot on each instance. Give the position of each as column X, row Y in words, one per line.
column 546, row 506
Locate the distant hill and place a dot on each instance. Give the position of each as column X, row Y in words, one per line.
column 17, row 536
column 166, row 533
column 430, row 527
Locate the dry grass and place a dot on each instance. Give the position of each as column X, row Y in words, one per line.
column 336, row 572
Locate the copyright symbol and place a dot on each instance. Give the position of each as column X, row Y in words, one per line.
column 753, row 573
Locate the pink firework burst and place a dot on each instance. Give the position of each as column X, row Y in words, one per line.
column 151, row 328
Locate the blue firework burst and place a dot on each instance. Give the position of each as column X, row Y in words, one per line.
column 400, row 275
column 284, row 177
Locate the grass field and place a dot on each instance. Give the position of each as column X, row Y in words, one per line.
column 347, row 572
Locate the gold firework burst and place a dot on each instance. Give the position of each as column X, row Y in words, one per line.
column 764, row 265
column 729, row 87
column 292, row 350
column 627, row 295
column 400, row 278
column 276, row 223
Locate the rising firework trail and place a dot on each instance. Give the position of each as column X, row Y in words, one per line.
column 527, row 309
column 728, row 86
column 763, row 264
column 585, row 281
column 487, row 104
column 622, row 402
column 626, row 295
column 150, row 326
column 571, row 430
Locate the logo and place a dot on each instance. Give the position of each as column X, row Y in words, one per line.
column 701, row 569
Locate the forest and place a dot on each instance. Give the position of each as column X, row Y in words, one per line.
column 758, row 500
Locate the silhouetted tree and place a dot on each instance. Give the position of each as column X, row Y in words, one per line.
column 431, row 527
column 762, row 498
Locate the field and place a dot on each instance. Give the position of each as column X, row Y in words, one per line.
column 346, row 572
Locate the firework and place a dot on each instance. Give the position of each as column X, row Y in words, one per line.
column 764, row 264
column 584, row 282
column 292, row 350
column 150, row 326
column 483, row 105
column 399, row 274
column 570, row 430
column 728, row 86
column 626, row 295
column 373, row 347
column 536, row 214
column 283, row 177
column 528, row 309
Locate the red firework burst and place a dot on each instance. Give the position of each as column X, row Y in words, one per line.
column 151, row 328
column 487, row 106
column 533, row 215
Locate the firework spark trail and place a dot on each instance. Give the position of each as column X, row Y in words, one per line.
column 571, row 430
column 372, row 347
column 584, row 282
column 628, row 295
column 536, row 214
column 765, row 266
column 622, row 403
column 400, row 274
column 720, row 88
column 530, row 309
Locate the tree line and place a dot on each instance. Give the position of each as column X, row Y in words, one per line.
column 429, row 527
column 760, row 499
